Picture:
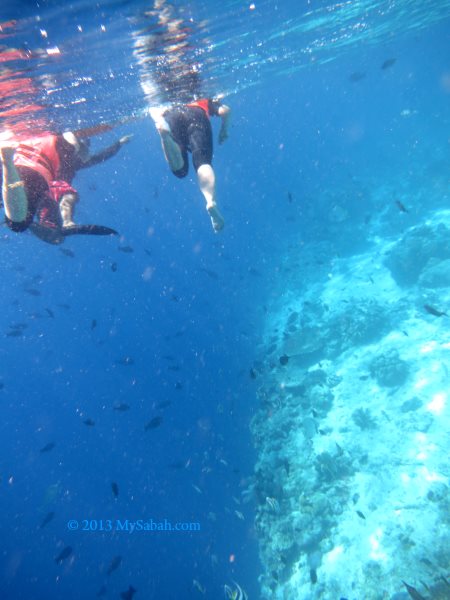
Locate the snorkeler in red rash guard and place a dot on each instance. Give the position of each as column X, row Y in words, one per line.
column 187, row 128
column 37, row 175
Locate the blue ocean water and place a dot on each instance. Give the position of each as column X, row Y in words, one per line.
column 171, row 320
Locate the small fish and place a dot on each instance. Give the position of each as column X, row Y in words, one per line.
column 174, row 368
column 125, row 361
column 360, row 515
column 252, row 373
column 114, row 564
column 434, row 311
column 197, row 489
column 121, row 407
column 126, row 249
column 114, row 267
column 147, row 252
column 63, row 555
column 153, row 423
column 388, row 63
column 178, row 385
column 163, row 404
column 239, row 515
column 290, row 197
column 128, row 595
column 50, row 313
column 356, row 76
column 405, row 333
column 67, row 252
column 47, row 447
column 115, row 489
column 413, row 592
column 401, row 206
column 89, row 422
column 47, row 519
column 93, row 324
column 33, row 292
column 65, row 306
column 210, row 273
column 313, row 576
column 15, row 333
column 284, row 360
column 102, row 591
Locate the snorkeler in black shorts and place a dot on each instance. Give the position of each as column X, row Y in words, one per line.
column 187, row 128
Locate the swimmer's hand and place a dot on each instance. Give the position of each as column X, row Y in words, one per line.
column 223, row 135
column 125, row 139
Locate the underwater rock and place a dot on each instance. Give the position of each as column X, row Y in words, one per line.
column 436, row 274
column 388, row 369
column 409, row 257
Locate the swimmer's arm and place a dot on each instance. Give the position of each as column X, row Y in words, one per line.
column 224, row 112
column 105, row 154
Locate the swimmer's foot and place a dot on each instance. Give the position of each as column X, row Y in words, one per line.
column 216, row 218
column 6, row 154
column 160, row 122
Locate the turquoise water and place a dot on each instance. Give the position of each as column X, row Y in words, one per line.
column 334, row 188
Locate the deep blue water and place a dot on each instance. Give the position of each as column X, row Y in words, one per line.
column 187, row 306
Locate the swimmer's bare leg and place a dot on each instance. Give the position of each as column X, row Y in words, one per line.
column 67, row 208
column 207, row 184
column 13, row 192
column 172, row 150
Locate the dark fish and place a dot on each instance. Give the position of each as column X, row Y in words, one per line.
column 94, row 324
column 47, row 519
column 125, row 361
column 2, row 385
column 313, row 576
column 388, row 63
column 126, row 249
column 284, row 359
column 33, row 292
column 360, row 514
column 121, row 407
column 177, row 465
column 211, row 274
column 175, row 298
column 115, row 564
column 47, row 447
column 154, row 423
column 18, row 326
column 63, row 555
column 174, row 368
column 115, row 489
column 89, row 422
column 178, row 385
column 102, row 591
column 114, row 267
column 405, row 333
column 67, row 252
column 128, row 595
column 356, row 76
column 66, row 306
column 252, row 373
column 163, row 404
column 15, row 333
column 401, row 206
column 413, row 592
column 147, row 252
column 169, row 357
column 434, row 311
column 290, row 197
column 50, row 313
